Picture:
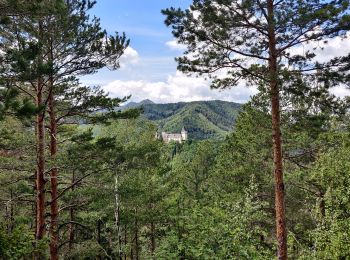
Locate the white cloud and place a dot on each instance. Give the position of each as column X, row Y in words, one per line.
column 144, row 77
column 130, row 56
column 340, row 91
column 196, row 14
column 177, row 88
column 337, row 46
column 174, row 45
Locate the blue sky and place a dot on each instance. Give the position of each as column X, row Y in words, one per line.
column 141, row 20
column 148, row 69
column 143, row 23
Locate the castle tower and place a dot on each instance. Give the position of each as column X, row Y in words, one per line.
column 184, row 134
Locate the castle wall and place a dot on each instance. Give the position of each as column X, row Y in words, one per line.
column 167, row 137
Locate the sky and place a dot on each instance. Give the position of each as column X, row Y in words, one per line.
column 148, row 69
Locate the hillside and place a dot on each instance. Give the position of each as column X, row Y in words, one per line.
column 202, row 119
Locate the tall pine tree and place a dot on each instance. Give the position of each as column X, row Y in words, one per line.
column 52, row 48
column 255, row 40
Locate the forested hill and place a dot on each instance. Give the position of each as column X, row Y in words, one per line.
column 202, row 119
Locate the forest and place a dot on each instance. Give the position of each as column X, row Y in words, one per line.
column 83, row 177
column 202, row 119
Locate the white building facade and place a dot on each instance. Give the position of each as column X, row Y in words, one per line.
column 175, row 137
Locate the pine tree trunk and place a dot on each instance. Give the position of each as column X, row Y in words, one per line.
column 40, row 171
column 322, row 205
column 99, row 237
column 117, row 216
column 125, row 241
column 53, row 177
column 11, row 213
column 281, row 232
column 153, row 238
column 71, row 230
column 40, row 160
column 136, row 236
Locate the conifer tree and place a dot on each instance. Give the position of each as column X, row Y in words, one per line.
column 84, row 50
column 9, row 100
column 255, row 40
column 53, row 47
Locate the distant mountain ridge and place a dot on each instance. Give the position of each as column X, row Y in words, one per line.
column 202, row 119
column 137, row 104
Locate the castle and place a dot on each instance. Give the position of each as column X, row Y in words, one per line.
column 168, row 137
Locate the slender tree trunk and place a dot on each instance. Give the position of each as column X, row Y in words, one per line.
column 71, row 230
column 9, row 213
column 153, row 238
column 8, row 209
column 125, row 241
column 99, row 237
column 40, row 159
column 53, row 175
column 322, row 205
column 40, row 171
column 281, row 232
column 137, row 237
column 117, row 216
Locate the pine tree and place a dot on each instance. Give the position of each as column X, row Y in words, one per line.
column 52, row 48
column 254, row 40
column 84, row 50
column 10, row 102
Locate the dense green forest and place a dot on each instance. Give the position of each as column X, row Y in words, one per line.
column 202, row 119
column 274, row 185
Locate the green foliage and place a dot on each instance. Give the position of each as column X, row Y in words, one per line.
column 331, row 172
column 86, row 250
column 209, row 199
column 220, row 230
column 125, row 194
column 12, row 102
column 233, row 37
column 18, row 244
column 202, row 119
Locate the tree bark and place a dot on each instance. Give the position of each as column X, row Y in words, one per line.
column 137, row 247
column 125, row 240
column 117, row 216
column 281, row 232
column 71, row 229
column 322, row 205
column 40, row 171
column 99, row 237
column 53, row 176
column 9, row 213
column 153, row 238
column 40, row 158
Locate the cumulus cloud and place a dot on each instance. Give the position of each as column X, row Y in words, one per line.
column 141, row 79
column 130, row 56
column 176, row 88
column 337, row 46
column 174, row 45
column 340, row 91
